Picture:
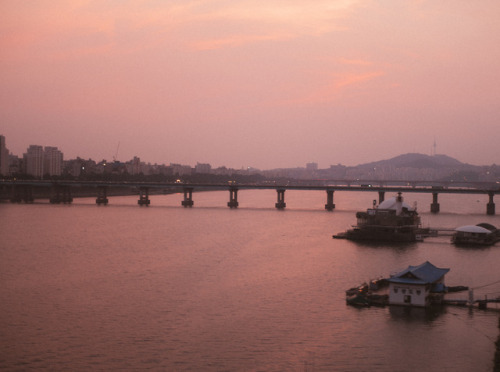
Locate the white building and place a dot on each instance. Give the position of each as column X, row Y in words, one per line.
column 416, row 285
column 180, row 170
column 52, row 161
column 312, row 167
column 34, row 161
column 203, row 168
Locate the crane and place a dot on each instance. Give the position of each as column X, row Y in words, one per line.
column 116, row 154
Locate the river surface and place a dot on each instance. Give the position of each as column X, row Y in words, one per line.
column 122, row 287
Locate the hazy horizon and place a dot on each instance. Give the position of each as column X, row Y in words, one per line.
column 238, row 83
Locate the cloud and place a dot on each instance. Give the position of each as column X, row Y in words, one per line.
column 237, row 40
column 229, row 24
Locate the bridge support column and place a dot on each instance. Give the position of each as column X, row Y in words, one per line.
column 144, row 197
column 28, row 194
column 329, row 206
column 188, row 197
column 15, row 195
column 233, row 198
column 381, row 196
column 61, row 194
column 490, row 207
column 435, row 204
column 22, row 193
column 281, row 199
column 102, row 195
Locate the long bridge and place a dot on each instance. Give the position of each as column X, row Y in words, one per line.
column 18, row 191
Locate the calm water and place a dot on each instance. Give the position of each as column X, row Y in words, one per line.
column 209, row 288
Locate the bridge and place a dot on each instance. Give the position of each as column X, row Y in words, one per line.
column 18, row 191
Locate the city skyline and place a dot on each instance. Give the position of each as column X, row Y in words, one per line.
column 241, row 84
column 311, row 165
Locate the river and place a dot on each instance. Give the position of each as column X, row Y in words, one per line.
column 208, row 288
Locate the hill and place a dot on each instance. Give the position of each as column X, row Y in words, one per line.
column 419, row 161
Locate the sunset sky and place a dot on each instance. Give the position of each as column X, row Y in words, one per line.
column 240, row 83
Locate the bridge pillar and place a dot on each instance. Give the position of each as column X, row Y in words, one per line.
column 281, row 199
column 67, row 198
column 435, row 204
column 490, row 207
column 144, row 197
column 102, row 195
column 22, row 193
column 28, row 194
column 233, row 197
column 188, row 197
column 15, row 196
column 61, row 194
column 329, row 206
column 381, row 196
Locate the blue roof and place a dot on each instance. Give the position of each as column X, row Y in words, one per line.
column 422, row 274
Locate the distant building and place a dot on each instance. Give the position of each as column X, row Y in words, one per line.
column 52, row 161
column 15, row 164
column 4, row 157
column 79, row 167
column 33, row 161
column 312, row 166
column 134, row 166
column 203, row 168
column 180, row 170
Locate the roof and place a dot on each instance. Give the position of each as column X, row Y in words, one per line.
column 422, row 274
column 392, row 203
column 473, row 229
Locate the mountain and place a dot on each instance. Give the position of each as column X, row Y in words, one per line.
column 419, row 161
column 406, row 167
column 414, row 166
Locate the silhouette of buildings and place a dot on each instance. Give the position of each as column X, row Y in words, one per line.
column 39, row 161
column 4, row 157
column 52, row 161
column 42, row 162
column 33, row 160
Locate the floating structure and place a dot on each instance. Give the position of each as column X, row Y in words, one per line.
column 420, row 286
column 368, row 294
column 393, row 220
column 480, row 234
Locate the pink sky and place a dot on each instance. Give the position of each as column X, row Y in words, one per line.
column 242, row 83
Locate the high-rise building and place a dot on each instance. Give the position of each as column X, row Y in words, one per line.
column 203, row 168
column 53, row 161
column 33, row 160
column 312, row 166
column 4, row 157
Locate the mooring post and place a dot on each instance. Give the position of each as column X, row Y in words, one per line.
column 329, row 206
column 471, row 297
column 281, row 199
column 490, row 207
column 233, row 197
column 188, row 197
column 435, row 204
column 102, row 195
column 381, row 196
column 144, row 197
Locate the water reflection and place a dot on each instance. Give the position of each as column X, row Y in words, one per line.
column 409, row 314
